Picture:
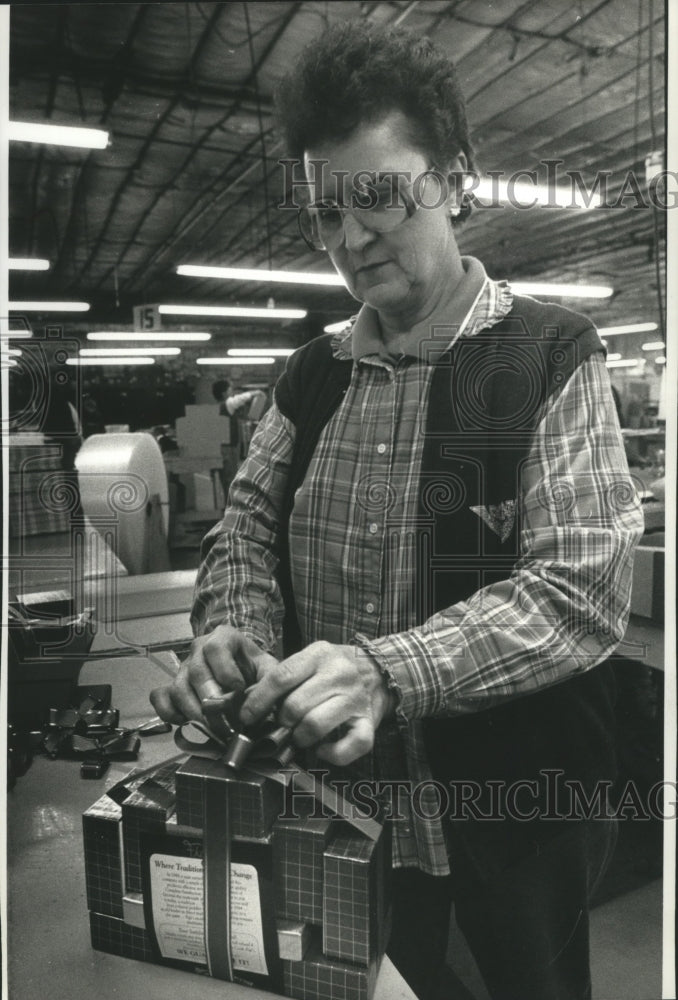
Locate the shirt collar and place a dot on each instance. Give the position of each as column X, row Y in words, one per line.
column 479, row 302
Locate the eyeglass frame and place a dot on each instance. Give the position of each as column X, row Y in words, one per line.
column 411, row 205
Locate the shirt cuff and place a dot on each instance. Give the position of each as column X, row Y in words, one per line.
column 404, row 661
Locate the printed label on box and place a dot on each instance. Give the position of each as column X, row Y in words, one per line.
column 247, row 933
column 177, row 892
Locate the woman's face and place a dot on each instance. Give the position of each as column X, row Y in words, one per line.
column 405, row 270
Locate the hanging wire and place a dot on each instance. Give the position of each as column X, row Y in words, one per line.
column 655, row 221
column 264, row 164
column 636, row 103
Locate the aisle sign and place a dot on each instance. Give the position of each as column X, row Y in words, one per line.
column 146, row 318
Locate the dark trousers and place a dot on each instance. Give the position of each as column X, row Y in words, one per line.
column 527, row 928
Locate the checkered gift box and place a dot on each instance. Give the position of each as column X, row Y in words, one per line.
column 323, row 887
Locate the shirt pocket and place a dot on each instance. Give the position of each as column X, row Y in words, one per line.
column 499, row 517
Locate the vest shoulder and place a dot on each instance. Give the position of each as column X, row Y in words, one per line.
column 546, row 319
column 307, row 373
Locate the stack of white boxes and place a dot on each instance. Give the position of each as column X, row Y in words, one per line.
column 200, row 436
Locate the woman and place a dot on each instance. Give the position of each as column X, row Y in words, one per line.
column 445, row 613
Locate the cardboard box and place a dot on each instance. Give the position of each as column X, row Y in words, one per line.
column 356, row 897
column 155, row 884
column 255, row 802
column 298, row 864
column 317, row 976
column 105, row 879
column 294, row 939
column 147, row 875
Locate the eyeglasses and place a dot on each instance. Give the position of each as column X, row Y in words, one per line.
column 381, row 205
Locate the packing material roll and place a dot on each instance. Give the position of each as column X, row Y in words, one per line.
column 123, row 486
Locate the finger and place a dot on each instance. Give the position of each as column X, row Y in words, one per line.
column 214, row 666
column 276, row 683
column 322, row 720
column 235, row 660
column 319, row 688
column 162, row 703
column 176, row 702
column 358, row 741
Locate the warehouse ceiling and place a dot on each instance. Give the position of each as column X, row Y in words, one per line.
column 191, row 175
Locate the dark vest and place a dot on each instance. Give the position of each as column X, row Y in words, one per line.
column 488, row 393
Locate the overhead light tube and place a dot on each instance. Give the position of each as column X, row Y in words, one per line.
column 27, row 264
column 261, row 275
column 49, row 306
column 79, row 362
column 128, row 352
column 562, row 291
column 614, row 331
column 234, row 312
column 236, row 361
column 254, row 352
column 134, row 336
column 57, row 135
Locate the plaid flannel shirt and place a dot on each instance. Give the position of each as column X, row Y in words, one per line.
column 353, row 554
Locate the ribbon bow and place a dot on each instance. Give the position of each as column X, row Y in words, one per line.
column 265, row 749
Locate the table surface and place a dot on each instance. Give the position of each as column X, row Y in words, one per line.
column 49, row 945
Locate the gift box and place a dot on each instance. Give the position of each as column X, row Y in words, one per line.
column 255, row 801
column 317, row 976
column 298, row 848
column 356, row 897
column 294, row 939
column 166, row 891
column 149, row 884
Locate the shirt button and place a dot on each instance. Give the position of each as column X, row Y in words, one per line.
column 374, row 528
column 369, row 607
column 381, row 448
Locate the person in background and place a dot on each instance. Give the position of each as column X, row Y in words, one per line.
column 436, row 516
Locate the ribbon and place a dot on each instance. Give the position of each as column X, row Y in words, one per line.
column 265, row 750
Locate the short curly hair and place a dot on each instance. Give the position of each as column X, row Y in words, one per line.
column 356, row 72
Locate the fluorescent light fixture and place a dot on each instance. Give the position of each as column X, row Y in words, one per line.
column 16, row 327
column 254, row 352
column 242, row 312
column 625, row 363
column 237, row 361
column 136, row 360
column 75, row 307
column 14, row 334
column 661, row 360
column 58, row 135
column 128, row 352
column 613, row 357
column 336, row 327
column 613, row 331
column 261, row 274
column 522, row 194
column 562, row 291
column 27, row 264
column 654, row 345
column 133, row 336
